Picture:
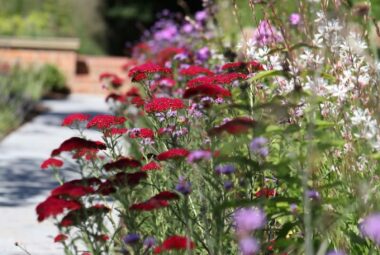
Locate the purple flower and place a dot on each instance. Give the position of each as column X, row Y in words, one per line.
column 131, row 238
column 336, row 252
column 149, row 242
column 248, row 246
column 203, row 54
column 225, row 169
column 187, row 28
column 258, row 145
column 266, row 34
column 198, row 155
column 201, row 16
column 249, row 219
column 183, row 186
column 313, row 194
column 294, row 19
column 228, row 185
column 370, row 227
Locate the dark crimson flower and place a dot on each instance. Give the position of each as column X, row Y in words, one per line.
column 105, row 121
column 266, row 192
column 138, row 101
column 166, row 195
column 236, row 126
column 149, row 205
column 141, row 133
column 117, row 82
column 60, row 238
column 115, row 132
column 133, row 92
column 195, row 70
column 106, row 75
column 74, row 118
column 103, row 238
column 175, row 243
column 147, row 68
column 77, row 143
column 115, row 97
column 164, row 104
column 72, row 190
column 175, row 153
column 226, row 78
column 207, row 90
column 53, row 206
column 121, row 164
column 131, row 179
column 52, row 162
column 151, row 166
column 244, row 66
column 106, row 188
column 75, row 217
column 88, row 154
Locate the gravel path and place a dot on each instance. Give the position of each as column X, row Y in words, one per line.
column 23, row 185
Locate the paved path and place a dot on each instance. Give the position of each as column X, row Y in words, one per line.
column 23, row 185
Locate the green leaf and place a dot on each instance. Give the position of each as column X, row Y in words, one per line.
column 267, row 74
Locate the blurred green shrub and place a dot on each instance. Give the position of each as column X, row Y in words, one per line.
column 21, row 88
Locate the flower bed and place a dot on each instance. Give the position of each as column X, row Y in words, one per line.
column 269, row 149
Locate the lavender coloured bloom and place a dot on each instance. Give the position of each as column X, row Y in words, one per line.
column 201, row 16
column 203, row 54
column 198, row 155
column 225, row 169
column 258, row 145
column 336, row 252
column 313, row 194
column 131, row 238
column 249, row 219
column 266, row 34
column 294, row 19
column 228, row 185
column 149, row 241
column 370, row 227
column 183, row 186
column 248, row 246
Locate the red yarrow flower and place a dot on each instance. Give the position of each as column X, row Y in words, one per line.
column 60, row 238
column 175, row 153
column 210, row 90
column 72, row 190
column 105, row 121
column 141, row 133
column 151, row 166
column 266, row 192
column 71, row 119
column 77, row 143
column 244, row 66
column 146, row 69
column 52, row 162
column 195, row 70
column 236, row 126
column 115, row 132
column 164, row 104
column 122, row 163
column 175, row 242
column 132, row 179
column 166, row 195
column 226, row 78
column 54, row 206
column 149, row 205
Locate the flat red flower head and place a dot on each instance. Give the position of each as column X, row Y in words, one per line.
column 117, row 82
column 142, row 71
column 166, row 195
column 53, row 206
column 266, row 192
column 122, row 163
column 210, row 90
column 236, row 126
column 72, row 190
column 195, row 70
column 141, row 133
column 175, row 243
column 151, row 166
column 60, row 238
column 175, row 153
column 77, row 143
column 164, row 104
column 106, row 75
column 243, row 66
column 71, row 119
column 132, row 179
column 52, row 162
column 149, row 205
column 105, row 121
column 226, row 78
